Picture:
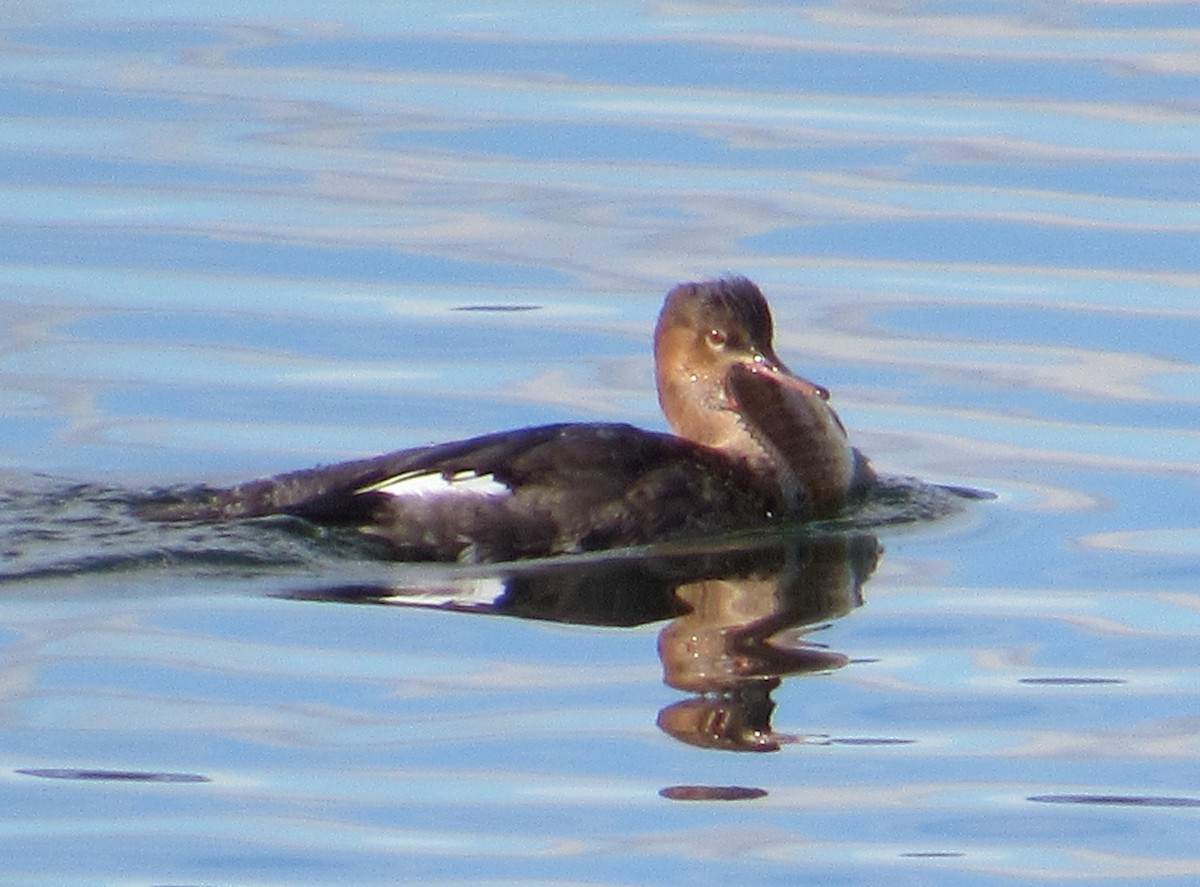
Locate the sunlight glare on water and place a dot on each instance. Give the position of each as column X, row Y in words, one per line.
column 238, row 239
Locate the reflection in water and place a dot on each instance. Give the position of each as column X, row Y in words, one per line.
column 729, row 647
column 233, row 240
column 738, row 615
column 1117, row 800
column 711, row 793
column 112, row 775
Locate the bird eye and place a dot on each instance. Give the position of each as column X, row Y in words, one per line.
column 717, row 339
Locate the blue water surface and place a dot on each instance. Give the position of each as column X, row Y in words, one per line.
column 237, row 239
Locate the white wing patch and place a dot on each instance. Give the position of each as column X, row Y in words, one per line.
column 425, row 483
column 459, row 594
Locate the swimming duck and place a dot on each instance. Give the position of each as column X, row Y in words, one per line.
column 754, row 445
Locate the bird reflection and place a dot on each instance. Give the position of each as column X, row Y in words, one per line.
column 738, row 617
column 742, row 634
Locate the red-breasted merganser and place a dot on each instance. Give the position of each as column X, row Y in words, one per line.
column 754, row 446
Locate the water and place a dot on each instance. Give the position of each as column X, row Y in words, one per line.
column 239, row 239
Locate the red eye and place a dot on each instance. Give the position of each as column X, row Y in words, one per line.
column 717, row 339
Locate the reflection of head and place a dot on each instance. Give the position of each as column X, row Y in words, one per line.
column 733, row 722
column 730, row 634
column 721, row 645
column 739, row 638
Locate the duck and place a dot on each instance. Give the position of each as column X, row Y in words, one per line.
column 752, row 446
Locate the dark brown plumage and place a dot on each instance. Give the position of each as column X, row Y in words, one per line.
column 754, row 446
